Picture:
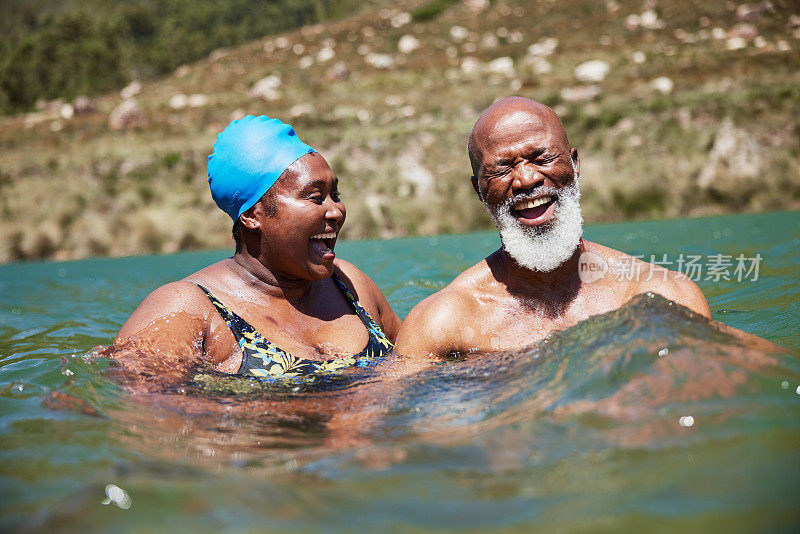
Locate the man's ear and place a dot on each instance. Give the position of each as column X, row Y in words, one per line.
column 576, row 160
column 248, row 218
column 475, row 187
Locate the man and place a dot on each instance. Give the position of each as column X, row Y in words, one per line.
column 545, row 277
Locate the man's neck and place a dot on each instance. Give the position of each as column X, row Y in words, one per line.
column 259, row 278
column 550, row 292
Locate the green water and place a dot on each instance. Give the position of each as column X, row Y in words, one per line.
column 579, row 433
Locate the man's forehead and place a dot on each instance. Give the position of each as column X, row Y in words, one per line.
column 520, row 126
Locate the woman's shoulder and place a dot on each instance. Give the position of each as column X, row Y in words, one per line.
column 352, row 277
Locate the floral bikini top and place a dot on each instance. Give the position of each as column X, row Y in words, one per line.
column 260, row 358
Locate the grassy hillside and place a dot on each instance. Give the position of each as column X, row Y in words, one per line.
column 62, row 48
column 695, row 110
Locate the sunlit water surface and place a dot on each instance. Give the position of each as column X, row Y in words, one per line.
column 645, row 418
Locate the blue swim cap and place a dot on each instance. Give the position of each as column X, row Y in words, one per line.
column 248, row 157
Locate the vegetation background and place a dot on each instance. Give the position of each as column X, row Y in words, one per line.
column 111, row 107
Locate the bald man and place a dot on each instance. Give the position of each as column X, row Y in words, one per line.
column 544, row 277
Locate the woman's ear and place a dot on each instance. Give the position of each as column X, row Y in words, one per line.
column 248, row 219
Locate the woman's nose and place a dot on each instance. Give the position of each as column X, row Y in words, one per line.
column 333, row 209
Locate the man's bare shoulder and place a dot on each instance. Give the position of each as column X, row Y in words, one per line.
column 641, row 277
column 434, row 325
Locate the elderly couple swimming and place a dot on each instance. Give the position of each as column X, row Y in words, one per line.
column 284, row 305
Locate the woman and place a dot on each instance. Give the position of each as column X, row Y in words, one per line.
column 283, row 305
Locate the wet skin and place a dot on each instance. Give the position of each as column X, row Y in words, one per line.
column 279, row 281
column 517, row 148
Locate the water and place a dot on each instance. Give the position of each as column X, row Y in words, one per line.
column 590, row 430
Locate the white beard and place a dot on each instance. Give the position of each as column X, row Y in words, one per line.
column 542, row 248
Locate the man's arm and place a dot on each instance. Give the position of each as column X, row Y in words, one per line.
column 432, row 328
column 679, row 288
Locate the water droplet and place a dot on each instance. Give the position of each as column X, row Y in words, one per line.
column 785, row 384
column 67, row 372
column 118, row 496
column 417, row 409
column 663, row 352
column 686, row 420
column 797, row 390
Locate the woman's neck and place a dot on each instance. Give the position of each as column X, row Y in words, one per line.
column 261, row 279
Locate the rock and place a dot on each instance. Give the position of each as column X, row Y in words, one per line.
column 380, row 61
column 83, row 105
column 489, row 41
column 470, row 65
column 544, row 47
column 266, row 88
column 325, row 54
column 595, row 70
column 407, row 44
column 131, row 90
column 304, row 108
column 663, row 85
column 631, row 22
column 458, row 33
column 178, row 101
column 502, row 65
column 540, row 65
column 735, row 43
column 400, row 19
column 412, row 172
column 734, row 151
column 515, row 37
column 746, row 31
column 476, row 6
column 218, row 54
column 337, row 72
column 197, row 100
column 648, row 20
column 127, row 115
column 580, row 94
column 66, row 111
column 183, row 71
column 305, row 62
column 638, row 57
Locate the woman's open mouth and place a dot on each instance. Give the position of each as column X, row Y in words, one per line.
column 533, row 212
column 323, row 244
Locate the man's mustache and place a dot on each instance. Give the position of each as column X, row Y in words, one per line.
column 530, row 194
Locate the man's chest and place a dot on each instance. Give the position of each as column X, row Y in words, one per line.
column 510, row 323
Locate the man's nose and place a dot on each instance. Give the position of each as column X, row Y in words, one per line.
column 527, row 177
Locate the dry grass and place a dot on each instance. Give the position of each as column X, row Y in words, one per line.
column 723, row 140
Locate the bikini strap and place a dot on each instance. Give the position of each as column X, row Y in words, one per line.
column 237, row 325
column 375, row 332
